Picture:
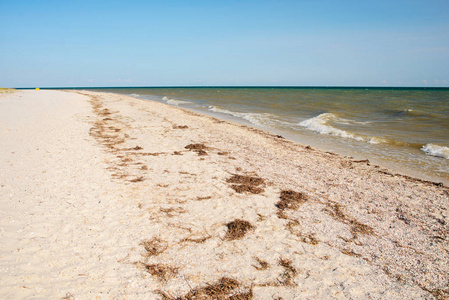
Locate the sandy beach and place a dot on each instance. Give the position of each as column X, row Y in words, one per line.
column 105, row 196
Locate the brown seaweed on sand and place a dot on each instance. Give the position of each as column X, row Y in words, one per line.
column 224, row 288
column 237, row 229
column 198, row 148
column 180, row 126
column 289, row 274
column 290, row 200
column 245, row 183
column 154, row 246
column 263, row 265
column 335, row 211
column 160, row 271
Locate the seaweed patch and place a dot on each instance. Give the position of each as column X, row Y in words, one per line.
column 198, row 148
column 290, row 200
column 244, row 183
column 154, row 247
column 335, row 211
column 160, row 271
column 237, row 229
column 224, row 288
column 289, row 274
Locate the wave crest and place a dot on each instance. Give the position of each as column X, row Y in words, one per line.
column 436, row 150
column 174, row 101
column 260, row 119
column 320, row 124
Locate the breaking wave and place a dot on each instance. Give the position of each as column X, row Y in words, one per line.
column 260, row 119
column 320, row 124
column 436, row 150
column 381, row 140
column 174, row 101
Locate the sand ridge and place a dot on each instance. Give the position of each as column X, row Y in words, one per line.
column 198, row 207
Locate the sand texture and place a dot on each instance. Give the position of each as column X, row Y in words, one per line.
column 105, row 196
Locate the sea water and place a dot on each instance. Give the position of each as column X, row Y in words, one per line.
column 405, row 129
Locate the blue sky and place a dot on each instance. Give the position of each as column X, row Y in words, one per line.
column 173, row 42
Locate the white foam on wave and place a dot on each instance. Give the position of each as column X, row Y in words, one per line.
column 436, row 150
column 223, row 111
column 174, row 101
column 260, row 119
column 377, row 140
column 134, row 95
column 320, row 124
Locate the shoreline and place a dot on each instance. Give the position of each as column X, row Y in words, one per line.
column 144, row 200
column 394, row 167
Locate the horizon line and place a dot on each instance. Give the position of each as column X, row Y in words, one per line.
column 235, row 86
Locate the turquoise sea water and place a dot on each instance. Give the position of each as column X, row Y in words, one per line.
column 404, row 129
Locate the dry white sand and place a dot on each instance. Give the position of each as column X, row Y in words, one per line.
column 101, row 199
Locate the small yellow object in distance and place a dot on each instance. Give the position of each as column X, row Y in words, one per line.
column 38, row 89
